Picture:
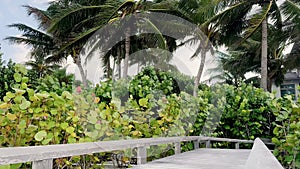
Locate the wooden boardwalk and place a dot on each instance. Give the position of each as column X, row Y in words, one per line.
column 259, row 157
column 201, row 159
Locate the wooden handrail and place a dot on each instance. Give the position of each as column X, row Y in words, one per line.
column 42, row 156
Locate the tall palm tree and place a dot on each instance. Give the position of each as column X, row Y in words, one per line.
column 43, row 48
column 117, row 14
column 291, row 9
column 208, row 16
column 246, row 57
column 69, row 29
column 252, row 21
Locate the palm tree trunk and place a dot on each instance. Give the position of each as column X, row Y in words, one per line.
column 81, row 71
column 108, row 68
column 127, row 52
column 264, row 56
column 200, row 71
column 119, row 62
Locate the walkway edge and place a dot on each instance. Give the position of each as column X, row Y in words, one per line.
column 261, row 157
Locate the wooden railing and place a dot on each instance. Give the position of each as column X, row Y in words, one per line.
column 42, row 156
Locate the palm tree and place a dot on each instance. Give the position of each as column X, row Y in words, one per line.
column 246, row 57
column 39, row 65
column 55, row 37
column 75, row 29
column 205, row 14
column 251, row 22
column 291, row 9
column 118, row 14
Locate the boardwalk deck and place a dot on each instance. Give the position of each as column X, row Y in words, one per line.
column 258, row 158
column 201, row 159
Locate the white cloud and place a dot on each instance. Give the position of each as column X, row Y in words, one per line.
column 20, row 53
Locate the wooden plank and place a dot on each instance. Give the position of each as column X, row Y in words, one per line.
column 237, row 145
column 196, row 144
column 44, row 164
column 203, row 159
column 261, row 157
column 208, row 144
column 177, row 148
column 141, row 155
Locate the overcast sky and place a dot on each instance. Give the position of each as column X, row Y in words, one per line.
column 11, row 11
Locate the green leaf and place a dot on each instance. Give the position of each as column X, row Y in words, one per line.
column 51, row 124
column 64, row 125
column 17, row 77
column 22, row 124
column 5, row 167
column 30, row 92
column 10, row 95
column 25, row 105
column 143, row 102
column 98, row 126
column 25, row 79
column 24, row 86
column 40, row 135
column 42, row 95
column 67, row 95
column 46, row 141
column 53, row 111
column 19, row 91
column 11, row 116
column 4, row 106
column 70, row 130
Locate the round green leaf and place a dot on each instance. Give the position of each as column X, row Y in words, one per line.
column 40, row 135
column 17, row 77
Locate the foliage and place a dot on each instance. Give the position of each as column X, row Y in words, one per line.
column 51, row 114
column 287, row 132
column 48, row 115
column 7, row 76
column 152, row 81
column 57, row 83
column 247, row 113
column 104, row 91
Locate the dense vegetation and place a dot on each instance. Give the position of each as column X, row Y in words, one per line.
column 40, row 117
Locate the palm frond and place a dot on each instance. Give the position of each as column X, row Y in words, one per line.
column 40, row 15
column 291, row 9
column 31, row 37
column 255, row 22
column 67, row 18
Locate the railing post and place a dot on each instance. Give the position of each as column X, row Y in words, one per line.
column 141, row 155
column 196, row 144
column 237, row 145
column 177, row 147
column 44, row 164
column 208, row 144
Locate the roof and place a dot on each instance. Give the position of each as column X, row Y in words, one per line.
column 291, row 76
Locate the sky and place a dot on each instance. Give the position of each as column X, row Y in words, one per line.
column 11, row 11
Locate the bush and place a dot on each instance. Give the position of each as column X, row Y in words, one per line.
column 50, row 114
column 287, row 132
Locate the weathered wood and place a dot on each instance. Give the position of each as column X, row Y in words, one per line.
column 208, row 144
column 261, row 157
column 141, row 155
column 201, row 159
column 257, row 158
column 177, row 148
column 44, row 164
column 237, row 145
column 14, row 155
column 196, row 144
